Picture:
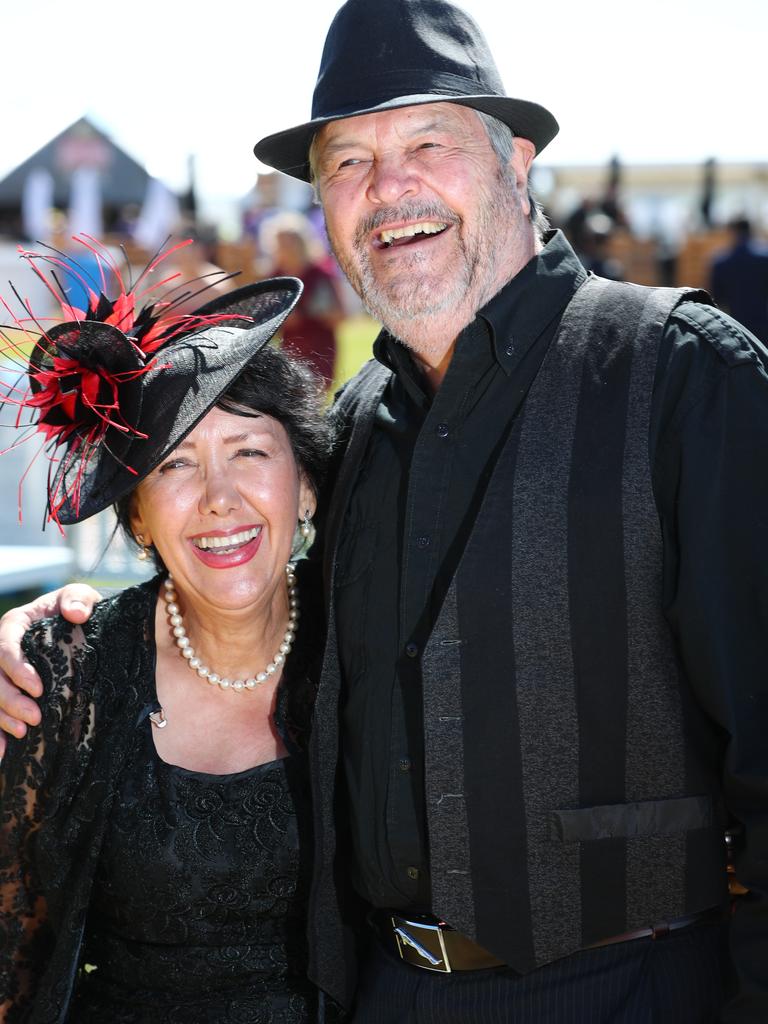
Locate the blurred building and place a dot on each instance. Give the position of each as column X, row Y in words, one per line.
column 663, row 200
column 30, row 557
column 674, row 215
column 82, row 173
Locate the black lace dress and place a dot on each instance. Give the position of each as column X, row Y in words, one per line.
column 133, row 890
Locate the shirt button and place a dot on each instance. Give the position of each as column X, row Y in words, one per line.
column 422, row 542
column 404, row 764
column 442, row 430
column 412, row 650
column 412, row 873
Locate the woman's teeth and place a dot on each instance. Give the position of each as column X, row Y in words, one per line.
column 227, row 544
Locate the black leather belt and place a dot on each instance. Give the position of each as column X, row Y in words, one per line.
column 714, row 915
column 424, row 941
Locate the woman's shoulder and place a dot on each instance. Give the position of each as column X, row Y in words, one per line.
column 126, row 609
column 60, row 649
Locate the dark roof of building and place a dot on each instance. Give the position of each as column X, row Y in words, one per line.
column 82, row 144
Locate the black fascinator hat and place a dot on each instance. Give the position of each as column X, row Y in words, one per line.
column 114, row 388
column 384, row 54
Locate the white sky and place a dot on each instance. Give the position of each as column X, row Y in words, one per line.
column 657, row 81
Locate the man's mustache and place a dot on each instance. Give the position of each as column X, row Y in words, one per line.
column 409, row 210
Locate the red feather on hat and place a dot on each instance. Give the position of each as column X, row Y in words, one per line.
column 83, row 369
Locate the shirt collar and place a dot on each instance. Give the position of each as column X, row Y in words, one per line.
column 516, row 315
column 528, row 303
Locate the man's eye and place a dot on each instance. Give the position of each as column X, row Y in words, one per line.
column 351, row 161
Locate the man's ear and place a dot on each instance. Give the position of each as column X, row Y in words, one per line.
column 520, row 163
column 527, row 151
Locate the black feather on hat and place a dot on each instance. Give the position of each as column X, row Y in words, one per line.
column 383, row 54
column 114, row 388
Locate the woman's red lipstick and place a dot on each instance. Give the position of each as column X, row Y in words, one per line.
column 215, row 558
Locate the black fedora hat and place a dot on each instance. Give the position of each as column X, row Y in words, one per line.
column 113, row 389
column 383, row 54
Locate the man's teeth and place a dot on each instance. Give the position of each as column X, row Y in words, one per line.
column 426, row 227
column 235, row 540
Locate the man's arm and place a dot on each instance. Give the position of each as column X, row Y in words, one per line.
column 712, row 481
column 17, row 677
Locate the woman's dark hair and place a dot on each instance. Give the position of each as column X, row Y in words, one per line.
column 274, row 384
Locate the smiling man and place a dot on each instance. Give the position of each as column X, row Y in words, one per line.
column 545, row 648
column 544, row 694
column 413, row 200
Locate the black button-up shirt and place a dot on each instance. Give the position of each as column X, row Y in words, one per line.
column 421, row 483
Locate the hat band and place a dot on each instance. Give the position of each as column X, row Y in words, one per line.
column 393, row 85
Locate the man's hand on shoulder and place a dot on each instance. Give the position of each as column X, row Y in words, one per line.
column 17, row 677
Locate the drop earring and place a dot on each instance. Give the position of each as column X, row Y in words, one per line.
column 143, row 554
column 306, row 525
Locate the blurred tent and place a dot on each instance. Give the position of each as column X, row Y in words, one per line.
column 81, row 165
column 29, row 556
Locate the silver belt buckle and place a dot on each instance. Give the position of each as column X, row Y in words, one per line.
column 421, row 944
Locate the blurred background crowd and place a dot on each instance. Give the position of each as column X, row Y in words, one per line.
column 701, row 222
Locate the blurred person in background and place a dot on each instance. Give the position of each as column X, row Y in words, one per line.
column 591, row 226
column 592, row 243
column 194, row 263
column 739, row 279
column 292, row 247
column 263, row 201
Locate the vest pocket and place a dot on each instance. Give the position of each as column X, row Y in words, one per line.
column 628, row 821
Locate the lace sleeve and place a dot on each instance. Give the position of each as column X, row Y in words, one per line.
column 37, row 774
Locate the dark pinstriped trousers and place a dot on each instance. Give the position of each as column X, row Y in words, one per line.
column 675, row 980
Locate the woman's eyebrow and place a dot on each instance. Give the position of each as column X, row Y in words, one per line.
column 238, row 438
column 244, row 436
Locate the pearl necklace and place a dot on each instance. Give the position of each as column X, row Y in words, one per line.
column 188, row 652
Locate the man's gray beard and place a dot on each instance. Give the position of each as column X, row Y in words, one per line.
column 401, row 305
column 412, row 298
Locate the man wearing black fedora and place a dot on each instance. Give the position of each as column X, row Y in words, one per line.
column 544, row 692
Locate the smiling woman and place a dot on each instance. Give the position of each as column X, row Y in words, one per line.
column 155, row 781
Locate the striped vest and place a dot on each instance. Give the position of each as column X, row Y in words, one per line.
column 571, row 780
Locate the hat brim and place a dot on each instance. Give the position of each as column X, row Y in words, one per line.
column 288, row 151
column 190, row 376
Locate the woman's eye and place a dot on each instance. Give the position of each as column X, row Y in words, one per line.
column 250, row 453
column 174, row 464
